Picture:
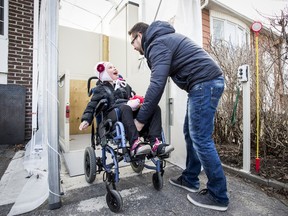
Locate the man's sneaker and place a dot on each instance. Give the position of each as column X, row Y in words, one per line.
column 160, row 149
column 179, row 182
column 205, row 200
column 139, row 149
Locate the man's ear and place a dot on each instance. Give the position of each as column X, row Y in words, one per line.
column 140, row 35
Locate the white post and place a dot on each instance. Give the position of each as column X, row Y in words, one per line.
column 35, row 65
column 244, row 77
column 52, row 99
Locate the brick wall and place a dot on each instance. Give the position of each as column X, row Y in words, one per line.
column 20, row 54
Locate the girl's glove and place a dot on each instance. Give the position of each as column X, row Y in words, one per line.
column 138, row 97
column 134, row 104
column 83, row 125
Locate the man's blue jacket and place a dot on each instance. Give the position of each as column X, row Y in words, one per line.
column 175, row 55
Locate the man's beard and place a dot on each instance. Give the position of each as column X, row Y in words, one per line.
column 141, row 52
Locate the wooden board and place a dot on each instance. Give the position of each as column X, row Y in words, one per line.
column 105, row 50
column 78, row 103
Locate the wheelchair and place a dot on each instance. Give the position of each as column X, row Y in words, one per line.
column 111, row 137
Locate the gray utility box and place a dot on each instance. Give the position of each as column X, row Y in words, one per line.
column 12, row 114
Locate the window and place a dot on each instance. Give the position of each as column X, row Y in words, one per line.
column 3, row 40
column 1, row 17
column 242, row 36
column 218, row 30
column 233, row 33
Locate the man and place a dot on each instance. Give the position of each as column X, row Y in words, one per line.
column 170, row 54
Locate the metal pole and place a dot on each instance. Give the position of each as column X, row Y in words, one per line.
column 257, row 162
column 52, row 106
column 256, row 28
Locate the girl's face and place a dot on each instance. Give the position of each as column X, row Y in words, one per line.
column 112, row 71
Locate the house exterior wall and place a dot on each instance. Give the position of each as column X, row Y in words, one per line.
column 20, row 53
column 268, row 49
column 205, row 27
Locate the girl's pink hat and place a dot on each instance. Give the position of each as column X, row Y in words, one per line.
column 101, row 71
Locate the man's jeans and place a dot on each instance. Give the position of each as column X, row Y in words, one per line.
column 202, row 102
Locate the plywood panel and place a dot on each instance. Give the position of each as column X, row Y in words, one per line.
column 78, row 103
column 105, row 50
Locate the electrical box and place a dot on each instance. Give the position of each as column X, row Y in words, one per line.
column 12, row 117
column 243, row 73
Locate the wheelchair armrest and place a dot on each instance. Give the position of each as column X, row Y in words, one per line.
column 121, row 101
column 102, row 105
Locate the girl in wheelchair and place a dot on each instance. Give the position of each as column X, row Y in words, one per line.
column 121, row 96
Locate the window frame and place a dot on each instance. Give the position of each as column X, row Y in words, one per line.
column 5, row 19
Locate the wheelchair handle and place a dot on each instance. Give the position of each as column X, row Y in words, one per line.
column 89, row 84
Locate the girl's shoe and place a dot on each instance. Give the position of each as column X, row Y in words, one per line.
column 161, row 149
column 139, row 149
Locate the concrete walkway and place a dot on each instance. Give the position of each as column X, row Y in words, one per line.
column 140, row 197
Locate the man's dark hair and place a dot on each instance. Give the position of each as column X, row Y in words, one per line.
column 139, row 27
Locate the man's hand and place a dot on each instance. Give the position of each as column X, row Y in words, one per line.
column 139, row 125
column 83, row 125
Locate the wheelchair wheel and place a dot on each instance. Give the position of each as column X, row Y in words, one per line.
column 114, row 201
column 137, row 166
column 157, row 180
column 90, row 164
